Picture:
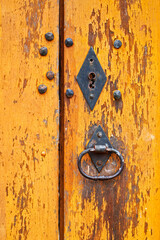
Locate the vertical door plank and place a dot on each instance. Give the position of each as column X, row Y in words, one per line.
column 126, row 207
column 29, row 121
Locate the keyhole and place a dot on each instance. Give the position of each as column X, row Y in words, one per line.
column 92, row 78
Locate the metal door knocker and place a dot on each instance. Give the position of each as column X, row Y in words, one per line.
column 100, row 149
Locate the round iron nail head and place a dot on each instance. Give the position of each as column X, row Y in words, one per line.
column 117, row 94
column 91, row 96
column 99, row 134
column 49, row 36
column 43, row 51
column 50, row 75
column 99, row 163
column 42, row 88
column 117, row 44
column 68, row 42
column 69, row 93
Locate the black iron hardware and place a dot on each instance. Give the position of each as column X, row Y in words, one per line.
column 43, row 51
column 42, row 88
column 91, row 78
column 50, row 75
column 117, row 94
column 100, row 149
column 68, row 42
column 49, row 36
column 69, row 93
column 117, row 44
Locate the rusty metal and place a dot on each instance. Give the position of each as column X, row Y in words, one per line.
column 99, row 138
column 68, row 42
column 50, row 75
column 100, row 150
column 91, row 78
column 42, row 88
column 99, row 134
column 43, row 154
column 117, row 94
column 117, row 44
column 69, row 93
column 49, row 36
column 43, row 51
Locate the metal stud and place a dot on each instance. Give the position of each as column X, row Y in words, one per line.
column 43, row 154
column 50, row 75
column 99, row 163
column 49, row 36
column 117, row 94
column 42, row 88
column 69, row 93
column 91, row 96
column 117, row 44
column 43, row 51
column 99, row 134
column 68, row 42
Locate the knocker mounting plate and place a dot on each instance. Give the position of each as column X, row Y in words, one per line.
column 100, row 149
column 91, row 78
column 99, row 138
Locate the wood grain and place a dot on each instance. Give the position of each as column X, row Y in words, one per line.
column 29, row 133
column 126, row 207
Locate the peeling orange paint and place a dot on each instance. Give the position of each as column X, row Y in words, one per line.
column 122, row 208
column 28, row 181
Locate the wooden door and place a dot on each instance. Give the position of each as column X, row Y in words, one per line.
column 126, row 207
column 43, row 195
column 29, row 165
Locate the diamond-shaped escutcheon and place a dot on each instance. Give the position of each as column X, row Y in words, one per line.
column 91, row 78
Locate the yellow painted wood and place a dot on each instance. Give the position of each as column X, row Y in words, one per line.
column 126, row 207
column 29, row 122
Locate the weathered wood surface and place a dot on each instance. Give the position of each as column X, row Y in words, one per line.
column 28, row 121
column 126, row 207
